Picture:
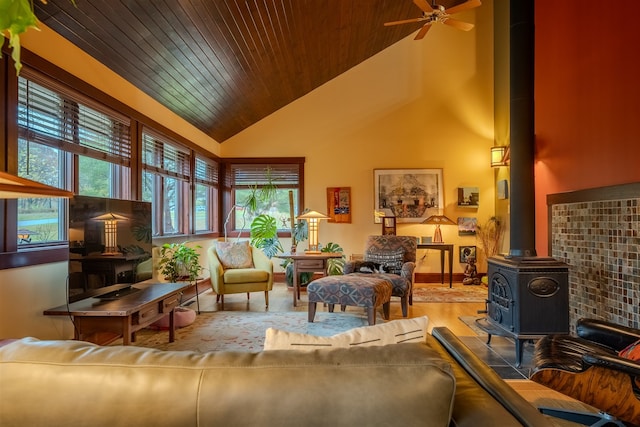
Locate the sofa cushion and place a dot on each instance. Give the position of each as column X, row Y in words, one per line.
column 245, row 275
column 234, row 254
column 393, row 332
column 47, row 383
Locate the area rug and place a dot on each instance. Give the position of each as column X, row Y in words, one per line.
column 446, row 294
column 245, row 331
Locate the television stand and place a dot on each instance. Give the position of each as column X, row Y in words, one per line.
column 102, row 322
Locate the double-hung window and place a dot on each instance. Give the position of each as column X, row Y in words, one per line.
column 165, row 182
column 286, row 176
column 206, row 187
column 69, row 141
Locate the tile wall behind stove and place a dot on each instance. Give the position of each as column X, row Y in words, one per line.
column 600, row 241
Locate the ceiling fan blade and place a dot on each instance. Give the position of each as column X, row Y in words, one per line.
column 464, row 6
column 423, row 31
column 464, row 26
column 423, row 5
column 404, row 21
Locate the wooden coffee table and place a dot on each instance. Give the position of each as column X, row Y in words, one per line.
column 103, row 321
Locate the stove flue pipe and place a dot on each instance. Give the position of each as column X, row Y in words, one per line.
column 522, row 144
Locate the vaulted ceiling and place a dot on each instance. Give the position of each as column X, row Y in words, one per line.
column 223, row 65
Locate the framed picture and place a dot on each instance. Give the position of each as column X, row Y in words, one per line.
column 467, row 226
column 339, row 204
column 468, row 197
column 408, row 193
column 503, row 189
column 466, row 252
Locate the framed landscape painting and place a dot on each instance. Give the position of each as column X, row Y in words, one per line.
column 411, row 194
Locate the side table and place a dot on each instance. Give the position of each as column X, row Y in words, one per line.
column 307, row 263
column 442, row 247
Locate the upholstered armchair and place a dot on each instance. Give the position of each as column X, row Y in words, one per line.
column 600, row 366
column 238, row 268
column 397, row 255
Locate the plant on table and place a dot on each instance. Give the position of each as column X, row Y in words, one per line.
column 179, row 262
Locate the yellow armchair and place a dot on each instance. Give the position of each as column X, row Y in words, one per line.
column 226, row 279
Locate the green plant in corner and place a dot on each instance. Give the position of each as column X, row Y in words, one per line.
column 335, row 266
column 179, row 262
column 16, row 17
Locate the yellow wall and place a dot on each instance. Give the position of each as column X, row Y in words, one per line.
column 426, row 104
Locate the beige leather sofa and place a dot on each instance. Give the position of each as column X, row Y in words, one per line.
column 71, row 383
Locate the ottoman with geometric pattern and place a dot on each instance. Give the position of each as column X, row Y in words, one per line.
column 353, row 290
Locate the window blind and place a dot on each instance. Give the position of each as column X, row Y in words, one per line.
column 206, row 171
column 282, row 175
column 53, row 115
column 161, row 155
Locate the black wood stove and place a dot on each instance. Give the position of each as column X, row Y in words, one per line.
column 528, row 298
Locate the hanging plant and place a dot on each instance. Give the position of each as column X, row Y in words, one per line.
column 16, row 17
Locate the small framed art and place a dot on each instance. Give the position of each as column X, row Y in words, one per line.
column 466, row 252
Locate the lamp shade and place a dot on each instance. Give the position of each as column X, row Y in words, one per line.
column 438, row 220
column 15, row 187
column 313, row 218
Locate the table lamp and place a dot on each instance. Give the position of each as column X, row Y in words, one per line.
column 313, row 218
column 438, row 220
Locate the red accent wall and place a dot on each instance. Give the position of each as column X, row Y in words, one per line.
column 587, row 95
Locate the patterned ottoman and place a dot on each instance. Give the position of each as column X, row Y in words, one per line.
column 356, row 290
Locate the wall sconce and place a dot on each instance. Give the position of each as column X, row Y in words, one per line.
column 500, row 156
column 438, row 220
column 110, row 231
column 313, row 218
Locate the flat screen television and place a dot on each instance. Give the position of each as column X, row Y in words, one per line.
column 109, row 244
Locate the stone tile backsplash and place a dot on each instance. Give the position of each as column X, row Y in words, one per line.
column 600, row 241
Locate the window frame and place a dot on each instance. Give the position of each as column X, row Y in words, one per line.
column 231, row 164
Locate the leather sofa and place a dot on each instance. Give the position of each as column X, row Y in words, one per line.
column 589, row 368
column 437, row 383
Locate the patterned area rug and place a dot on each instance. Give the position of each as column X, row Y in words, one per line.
column 446, row 294
column 245, row 331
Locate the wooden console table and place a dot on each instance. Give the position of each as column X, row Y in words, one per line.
column 103, row 321
column 307, row 263
column 442, row 247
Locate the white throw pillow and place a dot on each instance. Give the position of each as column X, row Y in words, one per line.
column 234, row 254
column 393, row 332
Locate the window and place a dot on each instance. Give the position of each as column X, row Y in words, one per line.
column 287, row 178
column 206, row 195
column 165, row 183
column 68, row 141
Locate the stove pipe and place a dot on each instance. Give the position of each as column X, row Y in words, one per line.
column 522, row 54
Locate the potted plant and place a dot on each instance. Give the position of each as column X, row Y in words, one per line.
column 179, row 262
column 16, row 17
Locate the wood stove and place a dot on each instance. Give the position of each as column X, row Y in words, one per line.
column 528, row 298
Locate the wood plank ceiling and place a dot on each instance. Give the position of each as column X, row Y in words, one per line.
column 223, row 65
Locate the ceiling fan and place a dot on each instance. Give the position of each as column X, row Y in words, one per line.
column 435, row 13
